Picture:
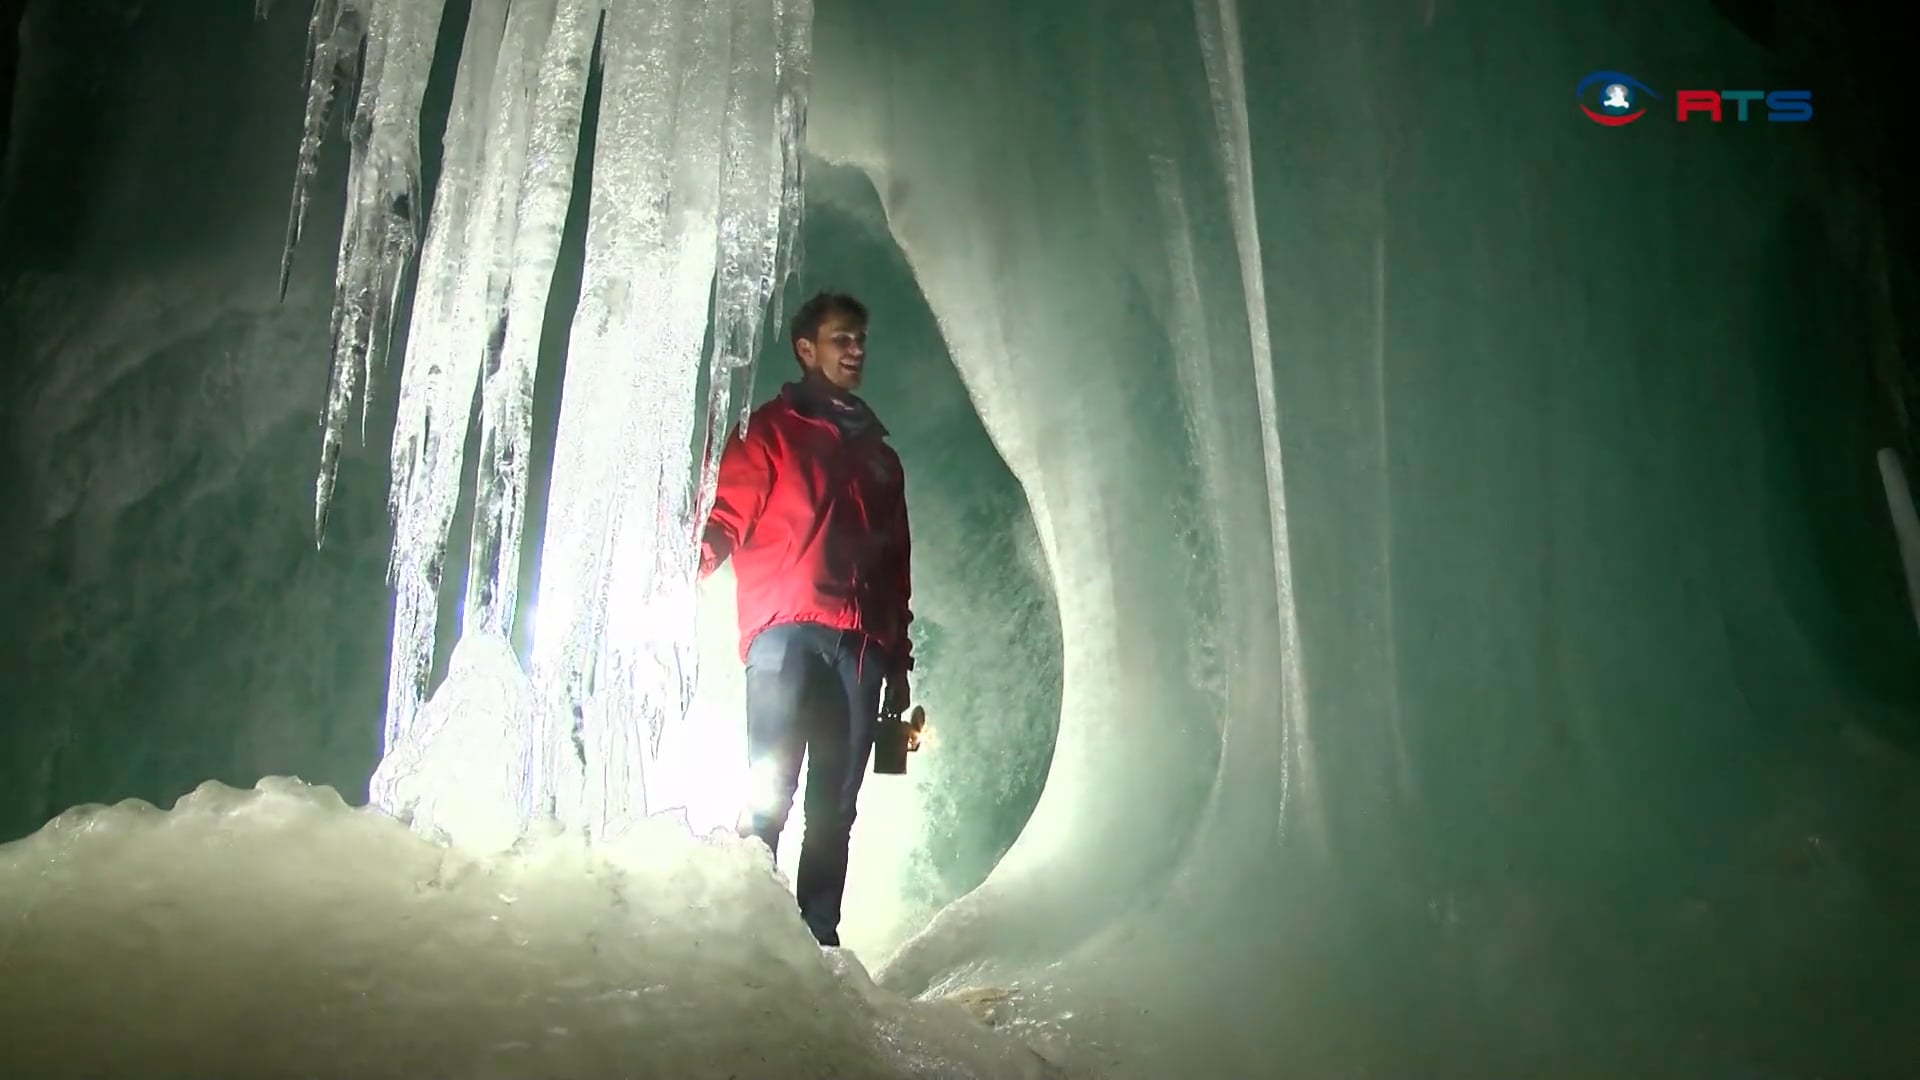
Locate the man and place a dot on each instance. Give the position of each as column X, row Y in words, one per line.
column 812, row 509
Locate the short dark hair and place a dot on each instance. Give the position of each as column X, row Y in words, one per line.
column 807, row 320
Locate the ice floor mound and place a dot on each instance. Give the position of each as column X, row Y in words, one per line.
column 279, row 932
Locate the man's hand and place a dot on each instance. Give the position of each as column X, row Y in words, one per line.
column 899, row 695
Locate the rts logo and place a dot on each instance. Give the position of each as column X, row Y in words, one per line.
column 1617, row 99
column 1783, row 106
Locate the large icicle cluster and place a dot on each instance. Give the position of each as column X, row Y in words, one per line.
column 693, row 219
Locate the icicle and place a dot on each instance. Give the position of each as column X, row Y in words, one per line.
column 759, row 216
column 640, row 73
column 627, row 408
column 758, row 224
column 444, row 344
column 795, row 65
column 748, row 231
column 526, row 247
column 383, row 197
column 334, row 33
column 735, row 146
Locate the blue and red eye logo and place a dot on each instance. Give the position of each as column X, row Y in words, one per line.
column 1613, row 98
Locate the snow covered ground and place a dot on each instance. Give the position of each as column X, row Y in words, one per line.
column 278, row 932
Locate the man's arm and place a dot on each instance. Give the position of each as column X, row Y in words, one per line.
column 746, row 476
column 899, row 693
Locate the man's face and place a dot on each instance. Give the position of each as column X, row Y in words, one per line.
column 838, row 352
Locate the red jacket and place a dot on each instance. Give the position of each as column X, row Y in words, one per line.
column 812, row 509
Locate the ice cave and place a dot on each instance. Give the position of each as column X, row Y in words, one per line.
column 1411, row 580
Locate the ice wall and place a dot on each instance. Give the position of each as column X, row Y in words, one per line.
column 155, row 394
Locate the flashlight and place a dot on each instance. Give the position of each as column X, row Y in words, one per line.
column 896, row 739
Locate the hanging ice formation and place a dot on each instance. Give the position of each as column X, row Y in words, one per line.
column 694, row 214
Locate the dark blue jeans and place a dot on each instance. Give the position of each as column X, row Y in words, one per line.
column 811, row 690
